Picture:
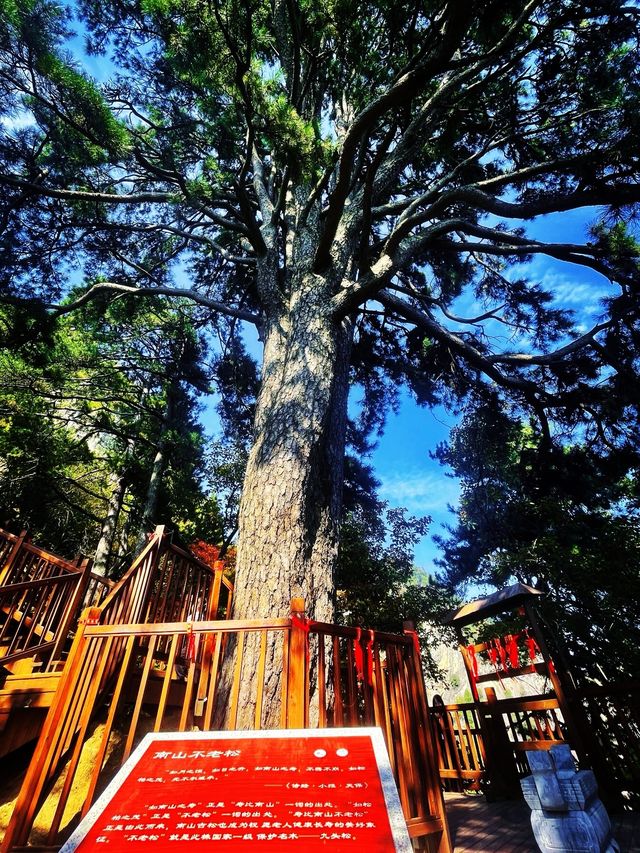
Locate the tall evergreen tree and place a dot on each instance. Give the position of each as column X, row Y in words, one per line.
column 564, row 518
column 338, row 176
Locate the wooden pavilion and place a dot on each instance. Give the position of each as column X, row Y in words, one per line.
column 482, row 744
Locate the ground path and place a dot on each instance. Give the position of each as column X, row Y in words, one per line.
column 481, row 827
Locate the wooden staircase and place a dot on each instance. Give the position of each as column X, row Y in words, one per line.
column 155, row 653
column 42, row 595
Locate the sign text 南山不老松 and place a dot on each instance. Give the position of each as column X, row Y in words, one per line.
column 307, row 790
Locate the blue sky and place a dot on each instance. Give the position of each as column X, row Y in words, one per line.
column 409, row 477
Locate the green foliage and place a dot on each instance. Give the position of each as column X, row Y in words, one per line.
column 86, row 400
column 562, row 518
column 370, row 169
column 377, row 583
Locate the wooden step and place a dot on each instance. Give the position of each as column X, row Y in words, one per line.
column 28, row 690
column 24, row 702
column 17, row 615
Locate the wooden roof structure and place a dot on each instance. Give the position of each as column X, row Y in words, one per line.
column 498, row 602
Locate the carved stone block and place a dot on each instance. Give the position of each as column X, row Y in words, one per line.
column 566, row 814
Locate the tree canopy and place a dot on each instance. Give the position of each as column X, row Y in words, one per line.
column 357, row 181
column 565, row 519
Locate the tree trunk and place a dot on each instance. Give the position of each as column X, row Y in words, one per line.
column 153, row 491
column 292, row 493
column 105, row 543
column 148, row 520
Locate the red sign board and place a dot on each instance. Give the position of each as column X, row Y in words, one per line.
column 304, row 790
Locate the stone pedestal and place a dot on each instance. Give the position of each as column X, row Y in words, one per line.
column 566, row 814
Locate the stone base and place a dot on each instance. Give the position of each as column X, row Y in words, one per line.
column 574, row 831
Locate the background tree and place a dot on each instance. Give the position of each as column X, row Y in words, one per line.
column 349, row 180
column 99, row 425
column 564, row 518
column 377, row 582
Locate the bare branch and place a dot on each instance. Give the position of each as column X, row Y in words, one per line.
column 174, row 292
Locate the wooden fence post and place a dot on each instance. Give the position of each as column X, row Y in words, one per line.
column 73, row 607
column 40, row 766
column 213, row 606
column 424, row 738
column 297, row 677
column 6, row 569
column 504, row 782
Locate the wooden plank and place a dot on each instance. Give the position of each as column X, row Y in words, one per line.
column 113, row 707
column 231, row 626
column 297, row 667
column 166, row 682
column 338, row 714
column 39, row 768
column 346, row 631
column 9, row 589
column 213, row 681
column 188, row 693
column 419, row 826
column 403, row 764
column 260, row 680
column 352, row 693
column 540, row 668
column 28, row 692
column 461, row 774
column 18, row 542
column 235, row 688
column 85, row 717
column 39, row 649
column 140, row 697
column 322, row 683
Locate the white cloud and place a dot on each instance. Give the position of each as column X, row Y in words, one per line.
column 17, row 121
column 421, row 493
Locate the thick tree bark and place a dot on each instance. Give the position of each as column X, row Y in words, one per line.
column 153, row 492
column 293, row 485
column 290, row 507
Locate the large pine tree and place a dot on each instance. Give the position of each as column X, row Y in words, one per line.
column 337, row 174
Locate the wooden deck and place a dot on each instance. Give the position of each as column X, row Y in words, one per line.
column 480, row 827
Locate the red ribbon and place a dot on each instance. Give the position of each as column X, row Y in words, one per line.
column 532, row 646
column 191, row 644
column 416, row 641
column 502, row 653
column 370, row 642
column 511, row 641
column 359, row 655
column 302, row 625
column 473, row 663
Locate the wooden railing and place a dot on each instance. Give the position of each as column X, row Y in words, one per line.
column 167, row 584
column 375, row 678
column 483, row 744
column 481, row 740
column 461, row 752
column 97, row 590
column 173, row 676
column 40, row 595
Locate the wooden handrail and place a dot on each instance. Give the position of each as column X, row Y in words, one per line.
column 389, row 695
column 126, row 578
column 163, row 629
column 10, row 588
